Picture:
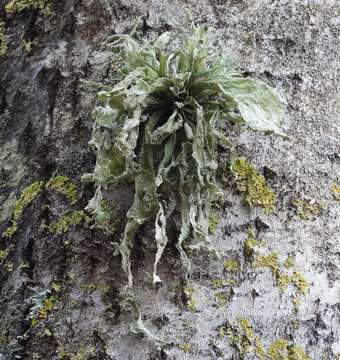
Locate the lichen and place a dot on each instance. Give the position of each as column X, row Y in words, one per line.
column 300, row 282
column 250, row 244
column 259, row 349
column 306, row 210
column 284, row 272
column 157, row 128
column 43, row 303
column 81, row 354
column 185, row 347
column 3, row 39
column 231, row 265
column 27, row 46
column 190, row 302
column 26, row 197
column 64, row 222
column 250, row 182
column 296, row 353
column 242, row 338
column 281, row 350
column 221, row 283
column 289, row 262
column 278, row 350
column 63, row 185
column 335, row 189
column 222, row 299
column 213, row 222
column 17, row 6
column 271, row 261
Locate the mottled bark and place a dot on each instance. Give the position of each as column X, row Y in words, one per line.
column 45, row 124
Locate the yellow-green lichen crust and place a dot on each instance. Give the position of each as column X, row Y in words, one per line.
column 3, row 40
column 17, row 6
column 63, row 185
column 250, row 182
column 26, row 197
column 335, row 190
column 306, row 210
column 67, row 220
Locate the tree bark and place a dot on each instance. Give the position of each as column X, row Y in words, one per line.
column 45, row 126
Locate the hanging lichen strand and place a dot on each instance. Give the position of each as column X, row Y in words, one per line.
column 157, row 128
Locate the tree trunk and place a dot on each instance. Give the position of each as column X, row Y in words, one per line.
column 59, row 279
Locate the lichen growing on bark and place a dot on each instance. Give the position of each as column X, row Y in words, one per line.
column 253, row 185
column 65, row 186
column 242, row 338
column 231, row 265
column 26, row 197
column 307, row 210
column 3, row 39
column 65, row 221
column 251, row 244
column 335, row 189
column 16, row 6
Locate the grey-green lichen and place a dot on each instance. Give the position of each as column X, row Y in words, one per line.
column 63, row 185
column 64, row 222
column 17, row 6
column 3, row 39
column 168, row 102
column 26, row 197
column 253, row 185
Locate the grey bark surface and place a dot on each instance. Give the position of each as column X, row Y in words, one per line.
column 45, row 125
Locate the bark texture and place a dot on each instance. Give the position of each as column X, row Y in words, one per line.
column 45, row 124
